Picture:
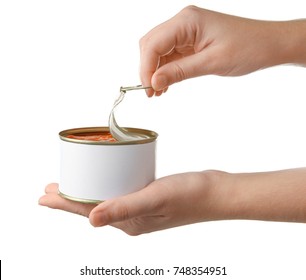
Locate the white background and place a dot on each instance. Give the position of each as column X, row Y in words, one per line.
column 61, row 65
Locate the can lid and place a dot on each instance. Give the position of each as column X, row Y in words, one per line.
column 78, row 135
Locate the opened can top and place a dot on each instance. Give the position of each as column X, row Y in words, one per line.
column 102, row 136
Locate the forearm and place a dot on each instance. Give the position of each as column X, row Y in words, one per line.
column 287, row 43
column 272, row 196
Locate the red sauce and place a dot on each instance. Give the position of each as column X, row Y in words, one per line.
column 103, row 137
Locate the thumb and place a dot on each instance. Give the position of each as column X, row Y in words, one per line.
column 178, row 70
column 119, row 209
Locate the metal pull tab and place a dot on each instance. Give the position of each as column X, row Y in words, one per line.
column 125, row 89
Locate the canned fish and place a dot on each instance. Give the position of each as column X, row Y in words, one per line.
column 95, row 167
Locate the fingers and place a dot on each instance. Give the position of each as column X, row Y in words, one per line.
column 153, row 46
column 184, row 68
column 53, row 200
column 174, row 39
column 166, row 64
column 133, row 213
column 124, row 208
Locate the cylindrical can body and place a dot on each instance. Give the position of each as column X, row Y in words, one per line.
column 94, row 171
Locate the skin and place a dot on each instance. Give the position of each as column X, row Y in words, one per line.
column 194, row 197
column 193, row 43
column 198, row 42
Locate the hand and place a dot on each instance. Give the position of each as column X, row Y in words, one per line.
column 199, row 42
column 167, row 202
column 193, row 197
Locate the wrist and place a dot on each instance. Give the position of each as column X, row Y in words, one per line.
column 287, row 43
column 271, row 196
column 222, row 201
column 296, row 50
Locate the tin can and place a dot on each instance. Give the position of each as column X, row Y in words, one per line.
column 94, row 171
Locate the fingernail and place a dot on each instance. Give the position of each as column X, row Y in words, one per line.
column 150, row 92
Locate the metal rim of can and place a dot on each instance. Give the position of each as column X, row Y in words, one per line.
column 150, row 136
column 82, row 200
